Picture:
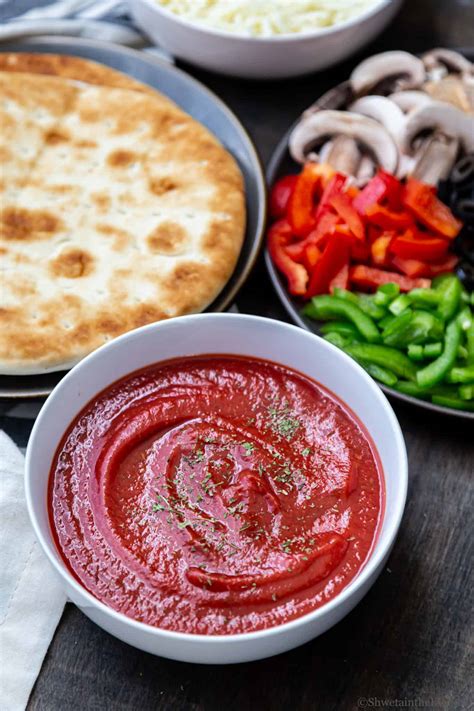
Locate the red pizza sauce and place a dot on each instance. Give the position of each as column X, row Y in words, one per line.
column 215, row 495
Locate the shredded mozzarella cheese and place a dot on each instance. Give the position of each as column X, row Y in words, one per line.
column 267, row 18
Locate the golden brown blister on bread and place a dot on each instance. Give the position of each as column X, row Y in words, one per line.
column 28, row 110
column 130, row 212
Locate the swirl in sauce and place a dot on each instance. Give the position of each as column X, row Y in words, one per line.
column 215, row 495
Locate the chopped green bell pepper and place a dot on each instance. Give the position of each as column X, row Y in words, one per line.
column 342, row 327
column 466, row 392
column 337, row 339
column 433, row 350
column 386, row 293
column 399, row 305
column 326, row 307
column 415, row 352
column 384, row 376
column 461, row 375
column 449, row 289
column 412, row 327
column 470, row 343
column 425, row 298
column 434, row 372
column 385, row 357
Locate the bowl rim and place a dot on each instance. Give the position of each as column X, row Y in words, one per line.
column 371, row 565
column 366, row 14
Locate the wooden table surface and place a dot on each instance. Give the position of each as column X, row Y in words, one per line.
column 409, row 643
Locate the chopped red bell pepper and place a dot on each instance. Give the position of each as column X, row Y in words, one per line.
column 372, row 194
column 330, row 224
column 412, row 267
column 280, row 195
column 332, row 260
column 382, row 188
column 283, row 227
column 341, row 280
column 352, row 191
column 369, row 278
column 295, row 251
column 343, row 206
column 393, row 196
column 311, row 255
column 373, row 232
column 325, row 227
column 279, row 235
column 422, row 201
column 388, row 219
column 360, row 249
column 417, row 246
column 301, row 203
column 379, row 249
column 447, row 265
column 327, row 221
column 326, row 172
column 333, row 187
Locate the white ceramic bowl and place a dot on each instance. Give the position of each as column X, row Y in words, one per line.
column 241, row 335
column 260, row 57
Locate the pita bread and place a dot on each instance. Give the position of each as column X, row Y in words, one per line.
column 117, row 209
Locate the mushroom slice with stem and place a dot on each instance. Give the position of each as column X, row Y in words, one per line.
column 406, row 165
column 343, row 155
column 322, row 155
column 410, row 100
column 365, row 171
column 403, row 69
column 468, row 83
column 436, row 159
column 327, row 124
column 443, row 118
column 385, row 112
column 451, row 89
column 447, row 59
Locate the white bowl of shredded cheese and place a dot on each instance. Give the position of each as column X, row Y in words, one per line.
column 262, row 39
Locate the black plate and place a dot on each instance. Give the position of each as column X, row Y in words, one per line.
column 204, row 106
column 280, row 164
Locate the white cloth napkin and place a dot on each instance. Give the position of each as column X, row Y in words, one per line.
column 95, row 19
column 31, row 599
column 106, row 20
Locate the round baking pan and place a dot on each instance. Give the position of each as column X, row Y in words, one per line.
column 194, row 98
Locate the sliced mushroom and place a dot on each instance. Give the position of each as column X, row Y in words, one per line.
column 451, row 89
column 468, row 83
column 403, row 69
column 322, row 155
column 406, row 165
column 410, row 100
column 449, row 59
column 344, row 155
column 365, row 171
column 385, row 112
column 441, row 117
column 326, row 124
column 436, row 159
column 337, row 98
